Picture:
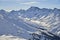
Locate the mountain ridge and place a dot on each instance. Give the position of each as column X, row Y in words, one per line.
column 24, row 22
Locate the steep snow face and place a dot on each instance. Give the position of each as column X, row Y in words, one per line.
column 50, row 21
column 24, row 22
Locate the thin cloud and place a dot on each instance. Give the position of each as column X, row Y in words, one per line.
column 27, row 3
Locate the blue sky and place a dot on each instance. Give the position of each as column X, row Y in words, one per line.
column 25, row 4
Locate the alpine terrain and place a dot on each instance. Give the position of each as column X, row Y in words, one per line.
column 32, row 24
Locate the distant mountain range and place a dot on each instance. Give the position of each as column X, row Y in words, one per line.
column 23, row 22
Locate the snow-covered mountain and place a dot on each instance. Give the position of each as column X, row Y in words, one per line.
column 23, row 23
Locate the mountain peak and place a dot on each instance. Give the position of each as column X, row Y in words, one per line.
column 34, row 8
column 2, row 10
